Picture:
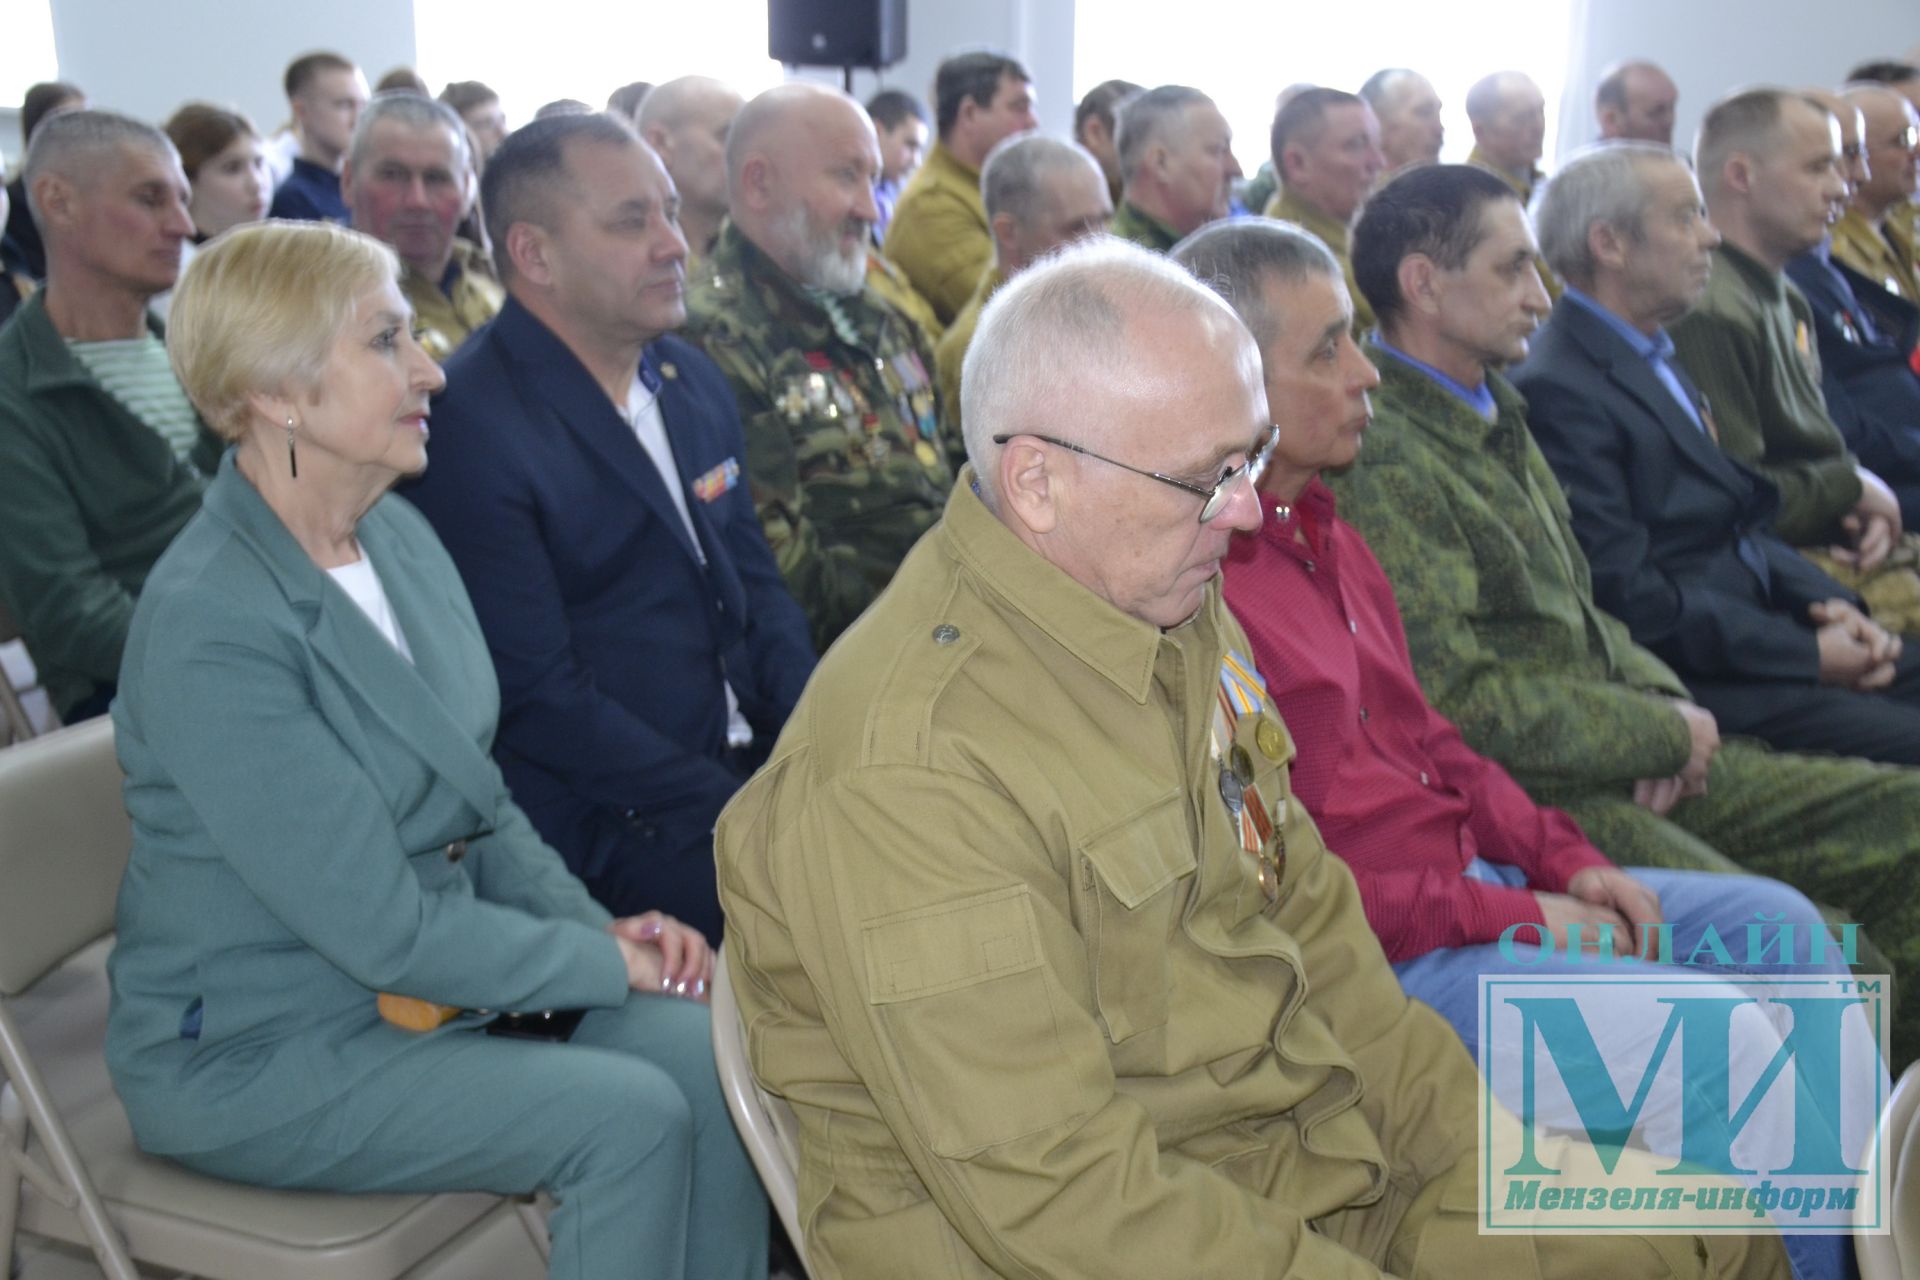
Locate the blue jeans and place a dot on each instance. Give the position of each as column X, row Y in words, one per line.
column 1448, row 980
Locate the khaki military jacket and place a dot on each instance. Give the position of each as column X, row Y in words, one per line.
column 447, row 316
column 1131, row 222
column 998, row 938
column 1337, row 236
column 846, row 453
column 1748, row 344
column 950, row 356
column 1880, row 258
column 939, row 234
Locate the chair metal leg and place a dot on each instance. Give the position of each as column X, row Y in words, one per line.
column 13, row 1144
column 67, row 1184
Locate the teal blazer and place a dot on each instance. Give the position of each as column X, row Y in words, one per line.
column 298, row 790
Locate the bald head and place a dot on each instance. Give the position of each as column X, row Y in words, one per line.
column 687, row 121
column 801, row 163
column 1890, row 134
column 1509, row 117
column 1853, row 153
column 1635, row 101
column 1408, row 110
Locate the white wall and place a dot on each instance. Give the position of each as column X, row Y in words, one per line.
column 146, row 57
column 1710, row 47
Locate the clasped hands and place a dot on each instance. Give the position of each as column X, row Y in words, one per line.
column 664, row 956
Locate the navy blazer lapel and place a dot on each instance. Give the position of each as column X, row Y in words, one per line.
column 564, row 390
column 1629, row 371
column 413, row 699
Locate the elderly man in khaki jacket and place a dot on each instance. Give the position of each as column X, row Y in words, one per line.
column 1022, row 917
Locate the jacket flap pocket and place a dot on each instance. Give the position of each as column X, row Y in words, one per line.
column 950, row 945
column 1142, row 855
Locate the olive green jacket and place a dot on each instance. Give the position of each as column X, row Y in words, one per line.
column 1337, row 236
column 1749, row 346
column 1885, row 258
column 846, row 453
column 1472, row 528
column 447, row 317
column 939, row 234
column 1130, row 222
column 997, row 939
column 949, row 357
column 89, row 497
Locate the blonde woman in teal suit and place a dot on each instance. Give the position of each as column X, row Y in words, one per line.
column 305, row 714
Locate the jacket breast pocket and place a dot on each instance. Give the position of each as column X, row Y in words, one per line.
column 1130, row 893
column 971, row 1019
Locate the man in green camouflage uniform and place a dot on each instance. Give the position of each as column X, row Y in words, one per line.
column 1176, row 158
column 845, row 451
column 1464, row 514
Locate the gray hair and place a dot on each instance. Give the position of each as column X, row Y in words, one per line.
column 1059, row 329
column 73, row 143
column 414, row 112
column 1602, row 184
column 1150, row 117
column 1238, row 257
column 1747, row 121
column 669, row 105
column 1013, row 179
column 1385, row 84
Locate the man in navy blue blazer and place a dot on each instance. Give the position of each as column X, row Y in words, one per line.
column 1679, row 534
column 587, row 476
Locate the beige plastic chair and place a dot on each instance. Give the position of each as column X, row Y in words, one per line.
column 69, row 1169
column 1896, row 1256
column 766, row 1123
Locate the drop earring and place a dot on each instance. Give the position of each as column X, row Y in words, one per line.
column 293, row 463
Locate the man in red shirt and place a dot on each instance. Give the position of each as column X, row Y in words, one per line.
column 1446, row 848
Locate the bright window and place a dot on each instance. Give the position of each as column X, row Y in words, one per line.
column 586, row 49
column 26, row 49
column 1241, row 55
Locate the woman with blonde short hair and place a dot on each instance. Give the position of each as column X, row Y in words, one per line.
column 331, row 893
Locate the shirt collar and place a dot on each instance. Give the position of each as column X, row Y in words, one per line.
column 1656, row 347
column 1120, row 647
column 1479, row 399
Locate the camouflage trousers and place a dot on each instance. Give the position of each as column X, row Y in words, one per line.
column 1892, row 591
column 1844, row 832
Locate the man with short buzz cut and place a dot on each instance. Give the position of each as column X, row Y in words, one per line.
column 1678, row 533
column 1408, row 109
column 589, row 480
column 1053, row 968
column 1176, row 159
column 1326, row 149
column 1041, row 193
column 939, row 235
column 100, row 450
column 1769, row 167
column 685, row 121
column 1509, row 118
column 1635, row 102
column 408, row 179
column 1464, row 513
column 846, row 451
column 1095, row 125
column 326, row 94
column 1875, row 236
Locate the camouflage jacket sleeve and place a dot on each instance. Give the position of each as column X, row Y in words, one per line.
column 1540, row 719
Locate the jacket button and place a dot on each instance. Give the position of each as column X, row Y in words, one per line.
column 945, row 633
column 456, row 851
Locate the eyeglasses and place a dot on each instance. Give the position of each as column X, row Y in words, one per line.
column 1216, row 498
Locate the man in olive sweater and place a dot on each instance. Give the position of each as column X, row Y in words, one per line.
column 101, row 454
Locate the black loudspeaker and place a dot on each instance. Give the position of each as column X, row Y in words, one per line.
column 837, row 33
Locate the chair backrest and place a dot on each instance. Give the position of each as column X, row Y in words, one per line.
column 64, row 840
column 767, row 1124
column 1896, row 1256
